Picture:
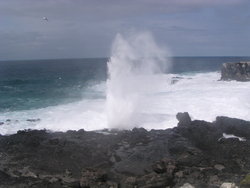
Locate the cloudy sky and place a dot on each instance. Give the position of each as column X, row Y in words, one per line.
column 86, row 28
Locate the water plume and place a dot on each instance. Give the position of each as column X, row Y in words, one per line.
column 134, row 63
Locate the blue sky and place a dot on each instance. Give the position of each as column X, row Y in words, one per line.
column 86, row 28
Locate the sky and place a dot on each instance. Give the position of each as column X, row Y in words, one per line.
column 87, row 28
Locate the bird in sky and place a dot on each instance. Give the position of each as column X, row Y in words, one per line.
column 45, row 18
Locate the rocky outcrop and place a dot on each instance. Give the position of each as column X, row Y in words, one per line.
column 236, row 71
column 193, row 154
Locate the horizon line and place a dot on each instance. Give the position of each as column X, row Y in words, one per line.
column 78, row 58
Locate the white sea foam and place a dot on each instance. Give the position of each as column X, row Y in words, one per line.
column 227, row 136
column 201, row 94
column 133, row 66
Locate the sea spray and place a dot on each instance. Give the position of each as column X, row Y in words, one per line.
column 134, row 62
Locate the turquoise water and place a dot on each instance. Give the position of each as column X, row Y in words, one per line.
column 37, row 84
column 71, row 94
column 40, row 83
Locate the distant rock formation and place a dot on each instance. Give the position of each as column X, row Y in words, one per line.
column 236, row 71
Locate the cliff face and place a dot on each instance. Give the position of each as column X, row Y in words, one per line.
column 236, row 71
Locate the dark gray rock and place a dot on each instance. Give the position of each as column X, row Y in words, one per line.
column 33, row 120
column 236, row 71
column 234, row 126
column 191, row 152
column 94, row 178
column 183, row 118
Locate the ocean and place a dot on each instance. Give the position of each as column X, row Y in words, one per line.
column 71, row 94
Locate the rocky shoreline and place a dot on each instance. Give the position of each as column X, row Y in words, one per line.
column 236, row 71
column 193, row 154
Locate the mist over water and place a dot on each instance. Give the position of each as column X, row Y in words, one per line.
column 135, row 63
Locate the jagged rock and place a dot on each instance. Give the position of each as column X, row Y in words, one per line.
column 166, row 166
column 130, row 182
column 233, row 126
column 183, row 118
column 236, row 71
column 96, row 178
column 154, row 180
column 189, row 153
column 92, row 177
column 214, row 181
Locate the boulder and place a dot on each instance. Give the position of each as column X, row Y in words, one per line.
column 236, row 71
column 183, row 118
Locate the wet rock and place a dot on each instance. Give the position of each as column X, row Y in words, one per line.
column 233, row 126
column 1, row 123
column 175, row 79
column 34, row 120
column 236, row 71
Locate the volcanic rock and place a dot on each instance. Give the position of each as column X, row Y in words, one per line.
column 183, row 118
column 189, row 153
column 236, row 71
